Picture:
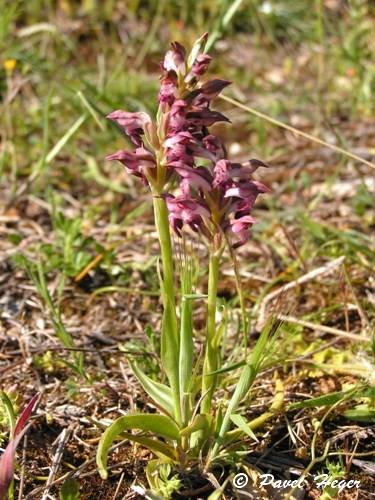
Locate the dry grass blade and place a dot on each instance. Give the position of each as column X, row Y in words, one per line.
column 322, row 328
column 297, row 131
column 56, row 460
column 327, row 268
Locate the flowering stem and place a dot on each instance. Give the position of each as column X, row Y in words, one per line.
column 169, row 336
column 211, row 355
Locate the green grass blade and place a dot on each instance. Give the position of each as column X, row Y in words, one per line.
column 65, row 138
column 241, row 423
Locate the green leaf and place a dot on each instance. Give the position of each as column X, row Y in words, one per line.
column 160, row 425
column 219, row 492
column 327, row 399
column 244, row 384
column 194, row 296
column 241, row 423
column 229, row 368
column 161, row 449
column 70, row 490
column 9, row 411
column 361, row 413
column 200, row 423
column 160, row 393
column 334, row 397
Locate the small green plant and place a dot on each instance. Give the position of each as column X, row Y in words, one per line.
column 195, row 189
column 336, row 471
column 37, row 276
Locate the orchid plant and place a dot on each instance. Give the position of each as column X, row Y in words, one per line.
column 195, row 189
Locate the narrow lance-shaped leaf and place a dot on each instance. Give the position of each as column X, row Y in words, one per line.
column 160, row 425
column 241, row 423
column 161, row 449
column 160, row 393
column 245, row 382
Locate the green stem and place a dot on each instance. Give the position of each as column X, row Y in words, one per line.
column 211, row 355
column 169, row 335
column 186, row 341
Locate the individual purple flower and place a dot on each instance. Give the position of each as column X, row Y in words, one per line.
column 200, row 65
column 240, row 229
column 192, row 176
column 246, row 189
column 168, row 90
column 177, row 117
column 133, row 124
column 205, row 118
column 185, row 211
column 213, row 144
column 221, row 173
column 174, row 59
column 212, row 88
column 137, row 162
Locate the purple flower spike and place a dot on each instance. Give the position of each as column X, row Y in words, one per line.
column 132, row 123
column 215, row 195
